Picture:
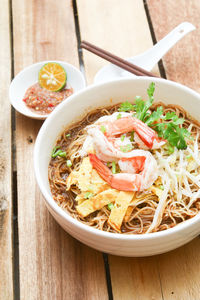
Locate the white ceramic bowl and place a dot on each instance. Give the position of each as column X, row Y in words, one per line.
column 28, row 76
column 70, row 111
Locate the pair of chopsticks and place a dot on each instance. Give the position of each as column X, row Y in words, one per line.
column 122, row 63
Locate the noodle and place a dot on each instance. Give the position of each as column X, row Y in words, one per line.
column 178, row 207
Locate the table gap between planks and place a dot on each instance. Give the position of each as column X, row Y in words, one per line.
column 176, row 274
column 52, row 265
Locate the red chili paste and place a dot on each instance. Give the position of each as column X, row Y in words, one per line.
column 43, row 101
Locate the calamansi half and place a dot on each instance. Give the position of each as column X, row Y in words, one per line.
column 52, row 76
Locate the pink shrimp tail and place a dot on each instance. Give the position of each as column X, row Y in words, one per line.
column 146, row 134
column 127, row 124
column 121, row 181
column 99, row 166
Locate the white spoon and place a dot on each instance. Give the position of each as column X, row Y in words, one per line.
column 149, row 58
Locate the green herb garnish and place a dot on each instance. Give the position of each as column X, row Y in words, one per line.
column 58, row 152
column 155, row 116
column 110, row 206
column 114, row 167
column 103, row 129
column 88, row 195
column 54, row 150
column 122, row 137
column 126, row 106
column 132, row 136
column 126, row 148
column 119, row 116
column 69, row 163
column 170, row 149
column 173, row 133
column 167, row 126
column 141, row 106
column 68, row 135
column 161, row 187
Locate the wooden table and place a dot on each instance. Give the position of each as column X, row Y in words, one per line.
column 38, row 260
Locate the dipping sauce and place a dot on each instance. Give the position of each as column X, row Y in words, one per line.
column 43, row 101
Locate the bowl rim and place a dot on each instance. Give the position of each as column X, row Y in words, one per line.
column 81, row 226
column 28, row 68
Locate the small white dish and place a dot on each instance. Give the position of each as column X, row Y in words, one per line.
column 29, row 76
column 149, row 58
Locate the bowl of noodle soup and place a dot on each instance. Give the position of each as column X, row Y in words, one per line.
column 163, row 216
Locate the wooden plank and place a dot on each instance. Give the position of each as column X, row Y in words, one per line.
column 182, row 61
column 52, row 264
column 135, row 278
column 120, row 27
column 179, row 269
column 6, row 270
column 179, row 272
column 114, row 26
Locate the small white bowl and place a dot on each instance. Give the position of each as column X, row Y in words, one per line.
column 68, row 112
column 29, row 76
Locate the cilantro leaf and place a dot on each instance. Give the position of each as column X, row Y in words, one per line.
column 169, row 126
column 160, row 128
column 151, row 90
column 126, row 106
column 155, row 116
column 141, row 106
column 173, row 133
column 170, row 115
column 173, row 117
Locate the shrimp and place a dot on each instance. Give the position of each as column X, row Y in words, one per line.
column 128, row 181
column 157, row 143
column 106, row 150
column 145, row 137
column 132, row 165
column 145, row 134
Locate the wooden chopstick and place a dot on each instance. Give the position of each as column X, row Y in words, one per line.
column 122, row 63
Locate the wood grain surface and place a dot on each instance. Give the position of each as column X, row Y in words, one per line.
column 182, row 61
column 179, row 269
column 117, row 27
column 52, row 264
column 125, row 36
column 147, row 278
column 6, row 274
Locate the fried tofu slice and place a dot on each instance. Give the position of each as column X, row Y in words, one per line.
column 82, row 177
column 87, row 179
column 156, row 191
column 119, row 210
column 80, row 198
column 97, row 184
column 97, row 202
column 128, row 213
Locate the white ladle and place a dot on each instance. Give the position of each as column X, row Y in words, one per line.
column 149, row 58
